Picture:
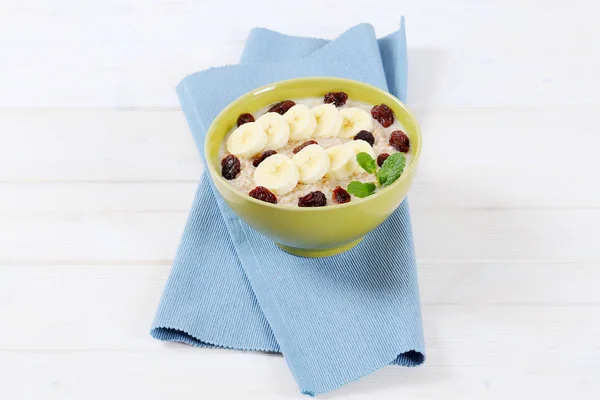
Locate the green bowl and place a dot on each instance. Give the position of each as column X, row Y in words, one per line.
column 319, row 231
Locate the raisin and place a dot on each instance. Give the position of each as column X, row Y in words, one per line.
column 383, row 114
column 313, row 199
column 244, row 119
column 283, row 107
column 340, row 195
column 337, row 98
column 381, row 158
column 263, row 194
column 262, row 157
column 366, row 136
column 399, row 141
column 303, row 145
column 231, row 167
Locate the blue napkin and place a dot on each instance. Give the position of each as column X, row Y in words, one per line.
column 334, row 319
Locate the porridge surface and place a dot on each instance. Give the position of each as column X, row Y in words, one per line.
column 244, row 182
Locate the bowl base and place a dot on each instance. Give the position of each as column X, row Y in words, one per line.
column 318, row 253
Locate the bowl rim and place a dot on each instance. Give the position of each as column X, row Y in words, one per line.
column 340, row 81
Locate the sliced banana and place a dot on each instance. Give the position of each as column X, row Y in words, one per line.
column 354, row 121
column 301, row 121
column 277, row 129
column 248, row 140
column 329, row 120
column 277, row 173
column 342, row 161
column 360, row 146
column 312, row 162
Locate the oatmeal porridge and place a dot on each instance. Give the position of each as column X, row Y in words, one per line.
column 315, row 151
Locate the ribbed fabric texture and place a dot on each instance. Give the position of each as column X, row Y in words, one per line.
column 334, row 319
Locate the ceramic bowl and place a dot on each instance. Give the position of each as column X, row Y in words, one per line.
column 318, row 231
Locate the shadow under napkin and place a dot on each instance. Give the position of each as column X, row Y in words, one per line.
column 334, row 319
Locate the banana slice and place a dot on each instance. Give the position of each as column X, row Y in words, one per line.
column 342, row 161
column 277, row 173
column 360, row 146
column 301, row 121
column 354, row 121
column 248, row 140
column 312, row 162
column 329, row 120
column 277, row 130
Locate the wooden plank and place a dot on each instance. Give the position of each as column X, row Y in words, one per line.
column 461, row 54
column 476, row 355
column 440, row 235
column 81, row 198
column 111, row 307
column 94, row 198
column 487, row 148
column 96, row 146
column 563, row 235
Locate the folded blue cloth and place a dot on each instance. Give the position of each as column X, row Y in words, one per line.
column 334, row 319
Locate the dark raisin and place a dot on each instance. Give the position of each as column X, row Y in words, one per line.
column 244, row 119
column 381, row 158
column 341, row 195
column 337, row 98
column 383, row 114
column 303, row 145
column 231, row 167
column 399, row 141
column 263, row 194
column 313, row 199
column 283, row 107
column 262, row 157
column 366, row 136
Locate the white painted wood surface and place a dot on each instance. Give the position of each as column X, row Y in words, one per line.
column 98, row 170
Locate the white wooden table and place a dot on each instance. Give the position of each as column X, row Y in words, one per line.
column 98, row 171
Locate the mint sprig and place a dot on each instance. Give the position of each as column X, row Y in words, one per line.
column 366, row 162
column 391, row 169
column 360, row 189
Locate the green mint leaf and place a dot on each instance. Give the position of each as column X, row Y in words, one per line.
column 391, row 169
column 360, row 189
column 366, row 162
